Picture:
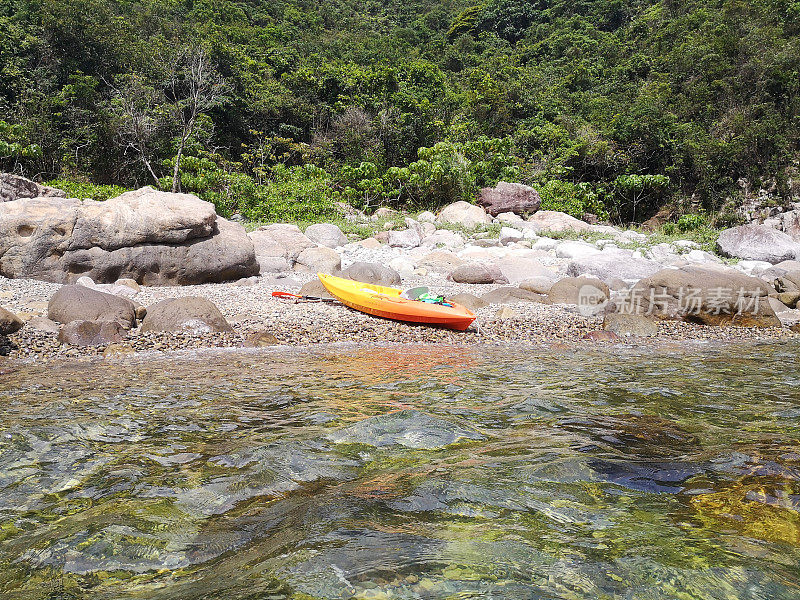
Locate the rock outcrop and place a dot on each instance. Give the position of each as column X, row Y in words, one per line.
column 14, row 187
column 509, row 197
column 152, row 237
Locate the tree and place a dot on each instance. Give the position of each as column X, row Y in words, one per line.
column 195, row 88
column 140, row 113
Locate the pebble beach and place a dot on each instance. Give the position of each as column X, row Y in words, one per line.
column 258, row 319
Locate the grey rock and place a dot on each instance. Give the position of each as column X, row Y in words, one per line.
column 405, row 238
column 578, row 291
column 43, row 324
column 319, row 260
column 519, row 268
column 625, row 325
column 469, row 301
column 9, row 322
column 509, row 235
column 701, row 294
column 372, row 273
column 576, row 250
column 551, row 220
column 477, row 273
column 91, row 333
column 440, row 261
column 757, row 242
column 509, row 197
column 14, row 187
column 538, row 285
column 79, row 303
column 465, row 214
column 609, row 265
column 326, row 234
column 191, row 314
column 315, row 289
column 511, row 295
column 277, row 246
column 409, row 428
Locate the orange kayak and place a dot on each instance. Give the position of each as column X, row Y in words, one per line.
column 386, row 302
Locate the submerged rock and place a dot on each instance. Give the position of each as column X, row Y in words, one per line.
column 409, row 428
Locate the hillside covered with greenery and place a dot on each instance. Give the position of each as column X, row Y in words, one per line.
column 277, row 109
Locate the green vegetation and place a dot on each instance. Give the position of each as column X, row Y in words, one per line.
column 279, row 109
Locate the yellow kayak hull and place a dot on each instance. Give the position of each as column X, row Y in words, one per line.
column 386, row 302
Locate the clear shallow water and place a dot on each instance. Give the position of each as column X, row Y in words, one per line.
column 404, row 472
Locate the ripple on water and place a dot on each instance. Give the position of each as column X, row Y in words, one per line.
column 404, row 472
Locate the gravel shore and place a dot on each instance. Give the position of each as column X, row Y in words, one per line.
column 250, row 308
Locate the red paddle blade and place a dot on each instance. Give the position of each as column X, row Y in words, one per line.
column 285, row 295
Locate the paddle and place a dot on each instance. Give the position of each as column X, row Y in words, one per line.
column 290, row 296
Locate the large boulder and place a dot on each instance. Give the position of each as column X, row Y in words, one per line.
column 465, row 214
column 520, row 268
column 9, row 322
column 609, row 265
column 757, row 242
column 326, row 234
column 509, row 197
column 79, row 303
column 91, row 333
column 578, row 291
column 14, row 187
column 405, row 238
column 705, row 295
column 319, row 260
column 374, row 273
column 190, row 314
column 277, row 246
column 551, row 220
column 155, row 238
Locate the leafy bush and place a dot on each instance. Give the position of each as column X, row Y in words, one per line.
column 444, row 173
column 294, row 194
column 691, row 222
column 571, row 198
column 84, row 189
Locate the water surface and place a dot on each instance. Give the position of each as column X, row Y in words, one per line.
column 404, row 472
